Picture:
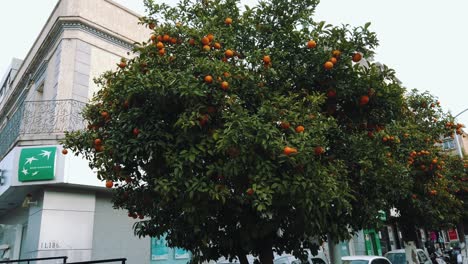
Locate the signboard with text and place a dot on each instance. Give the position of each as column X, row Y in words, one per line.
column 452, row 233
column 36, row 164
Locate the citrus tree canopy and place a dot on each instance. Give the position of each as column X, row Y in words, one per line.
column 236, row 131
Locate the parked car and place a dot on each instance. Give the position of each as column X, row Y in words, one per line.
column 399, row 256
column 365, row 260
column 290, row 259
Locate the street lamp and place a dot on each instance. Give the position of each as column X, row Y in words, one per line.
column 456, row 137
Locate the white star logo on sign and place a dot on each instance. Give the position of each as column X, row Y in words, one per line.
column 45, row 153
column 25, row 171
column 30, row 160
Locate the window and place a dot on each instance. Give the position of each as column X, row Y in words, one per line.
column 396, row 258
column 317, row 261
column 380, row 261
column 448, row 144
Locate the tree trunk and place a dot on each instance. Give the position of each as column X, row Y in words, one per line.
column 410, row 238
column 410, row 252
column 243, row 259
column 266, row 252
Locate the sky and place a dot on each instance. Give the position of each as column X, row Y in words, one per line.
column 425, row 41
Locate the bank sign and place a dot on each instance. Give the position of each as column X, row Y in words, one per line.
column 36, row 164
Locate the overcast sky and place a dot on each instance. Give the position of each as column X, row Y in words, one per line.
column 425, row 41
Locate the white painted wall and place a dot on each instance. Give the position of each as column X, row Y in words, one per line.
column 67, row 224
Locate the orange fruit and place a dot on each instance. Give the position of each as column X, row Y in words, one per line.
column 162, row 52
column 97, row 141
column 266, row 59
column 285, row 125
column 226, row 74
column 208, row 79
column 299, row 129
column 192, row 42
column 319, row 150
column 64, row 151
column 229, row 53
column 109, row 184
column 311, row 44
column 159, row 45
column 210, row 37
column 122, row 64
column 336, row 53
column 228, row 21
column 206, row 47
column 151, row 25
column 205, row 40
column 173, row 40
column 288, row 151
column 217, row 45
column 153, row 37
column 333, row 60
column 357, row 57
column 328, row 65
column 364, row 100
column 224, row 85
column 166, row 38
column 104, row 114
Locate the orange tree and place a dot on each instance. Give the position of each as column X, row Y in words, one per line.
column 242, row 132
column 429, row 200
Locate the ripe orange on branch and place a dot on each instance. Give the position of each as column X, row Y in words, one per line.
column 229, row 53
column 311, row 44
column 288, row 151
column 357, row 57
column 328, row 65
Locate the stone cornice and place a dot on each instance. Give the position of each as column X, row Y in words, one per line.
column 53, row 36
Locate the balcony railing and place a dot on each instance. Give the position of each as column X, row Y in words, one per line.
column 52, row 117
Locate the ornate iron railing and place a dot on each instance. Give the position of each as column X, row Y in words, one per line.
column 49, row 117
column 41, row 117
column 10, row 131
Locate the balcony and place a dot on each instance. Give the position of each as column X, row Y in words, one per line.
column 41, row 120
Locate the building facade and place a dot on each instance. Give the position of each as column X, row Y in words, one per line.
column 52, row 204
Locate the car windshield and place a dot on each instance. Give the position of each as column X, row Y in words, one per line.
column 396, row 258
column 356, row 261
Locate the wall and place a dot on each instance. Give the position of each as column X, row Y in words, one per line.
column 113, row 234
column 66, row 224
column 359, row 243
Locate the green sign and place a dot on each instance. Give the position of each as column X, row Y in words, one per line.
column 37, row 164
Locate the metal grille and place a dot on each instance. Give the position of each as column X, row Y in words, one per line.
column 49, row 117
column 41, row 117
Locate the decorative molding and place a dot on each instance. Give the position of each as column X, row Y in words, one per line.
column 50, row 41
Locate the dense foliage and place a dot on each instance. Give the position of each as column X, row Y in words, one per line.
column 237, row 131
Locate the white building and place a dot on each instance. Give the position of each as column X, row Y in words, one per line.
column 52, row 204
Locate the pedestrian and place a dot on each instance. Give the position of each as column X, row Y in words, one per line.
column 459, row 258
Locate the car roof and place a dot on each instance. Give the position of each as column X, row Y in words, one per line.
column 396, row 251
column 364, row 257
